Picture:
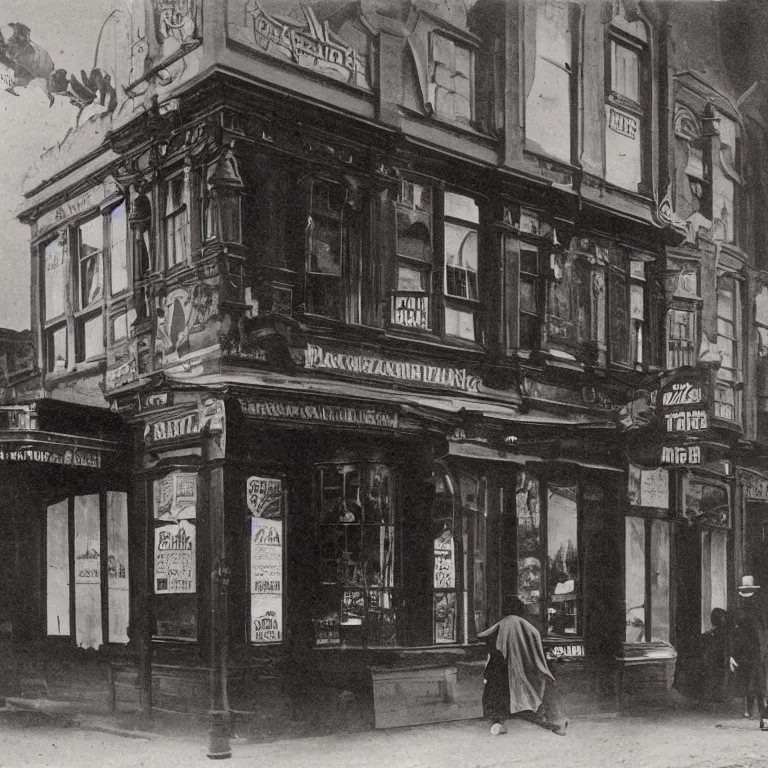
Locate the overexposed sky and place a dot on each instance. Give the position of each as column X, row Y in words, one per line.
column 28, row 126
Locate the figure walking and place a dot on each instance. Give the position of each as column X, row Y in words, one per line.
column 517, row 677
column 750, row 654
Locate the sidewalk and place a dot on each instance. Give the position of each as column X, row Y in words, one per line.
column 670, row 739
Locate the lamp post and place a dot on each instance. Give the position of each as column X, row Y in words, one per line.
column 218, row 733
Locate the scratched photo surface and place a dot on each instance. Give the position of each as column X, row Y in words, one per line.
column 384, row 383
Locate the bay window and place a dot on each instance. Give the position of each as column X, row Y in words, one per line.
column 75, row 530
column 647, row 581
column 727, row 394
column 626, row 107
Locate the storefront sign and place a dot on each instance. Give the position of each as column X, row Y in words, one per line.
column 317, row 358
column 681, row 456
column 264, row 496
column 175, row 558
column 686, row 421
column 209, row 416
column 125, row 373
column 621, row 123
column 682, row 393
column 70, row 456
column 331, row 414
column 563, row 651
column 266, row 580
column 586, row 397
column 76, row 205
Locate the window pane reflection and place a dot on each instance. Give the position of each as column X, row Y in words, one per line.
column 660, row 618
column 635, row 579
column 563, row 560
column 528, row 513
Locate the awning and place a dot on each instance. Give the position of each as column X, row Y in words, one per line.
column 442, row 404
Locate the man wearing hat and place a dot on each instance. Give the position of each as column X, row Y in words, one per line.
column 750, row 652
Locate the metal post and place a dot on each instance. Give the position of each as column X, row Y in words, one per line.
column 218, row 734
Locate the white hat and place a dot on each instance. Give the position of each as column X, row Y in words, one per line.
column 748, row 586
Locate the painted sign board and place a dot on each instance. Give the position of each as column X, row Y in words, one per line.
column 273, row 408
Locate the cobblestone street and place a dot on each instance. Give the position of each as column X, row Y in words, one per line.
column 675, row 740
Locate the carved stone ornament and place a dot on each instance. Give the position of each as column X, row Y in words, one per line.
column 687, row 125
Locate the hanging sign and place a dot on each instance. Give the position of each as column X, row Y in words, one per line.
column 175, row 558
column 681, row 455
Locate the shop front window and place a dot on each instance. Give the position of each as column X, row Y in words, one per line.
column 356, row 536
column 528, row 509
column 74, row 545
column 727, row 400
column 647, row 581
column 563, row 614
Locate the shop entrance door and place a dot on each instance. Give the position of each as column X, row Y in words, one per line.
column 687, row 638
column 756, row 542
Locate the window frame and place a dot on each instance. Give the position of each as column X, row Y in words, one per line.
column 543, row 482
column 694, row 311
column 439, row 302
column 180, row 213
column 432, row 85
column 349, row 278
column 85, row 315
column 736, row 320
column 109, row 243
column 648, row 523
column 637, row 328
column 618, row 37
column 105, row 507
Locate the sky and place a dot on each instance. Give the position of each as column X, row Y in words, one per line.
column 28, row 126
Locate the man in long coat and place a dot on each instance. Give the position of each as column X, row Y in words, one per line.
column 517, row 677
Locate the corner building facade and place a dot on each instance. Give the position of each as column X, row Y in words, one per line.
column 391, row 302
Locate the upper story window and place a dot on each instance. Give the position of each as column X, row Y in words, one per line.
column 54, row 255
column 89, row 272
column 548, row 81
column 411, row 300
column 333, row 254
column 626, row 309
column 118, row 249
column 725, row 180
column 451, row 78
column 175, row 222
column 627, row 107
column 89, row 323
column 682, row 321
column 444, row 278
column 727, row 393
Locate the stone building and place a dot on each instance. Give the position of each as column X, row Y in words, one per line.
column 355, row 317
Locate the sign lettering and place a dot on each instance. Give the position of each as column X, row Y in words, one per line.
column 335, row 414
column 574, row 651
column 681, row 455
column 756, row 488
column 682, row 393
column 210, row 416
column 70, row 456
column 317, row 358
column 623, row 124
column 686, row 421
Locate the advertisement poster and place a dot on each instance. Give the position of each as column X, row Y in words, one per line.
column 265, row 497
column 176, row 496
column 445, row 568
column 266, row 580
column 175, row 558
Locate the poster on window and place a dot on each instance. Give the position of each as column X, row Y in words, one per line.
column 648, row 487
column 445, row 566
column 264, row 496
column 176, row 496
column 445, row 617
column 175, row 558
column 266, row 580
